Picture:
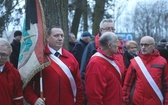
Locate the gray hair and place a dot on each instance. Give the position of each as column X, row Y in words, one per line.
column 104, row 20
column 4, row 42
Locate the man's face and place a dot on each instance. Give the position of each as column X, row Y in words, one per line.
column 18, row 38
column 56, row 38
column 107, row 27
column 4, row 54
column 146, row 46
column 72, row 38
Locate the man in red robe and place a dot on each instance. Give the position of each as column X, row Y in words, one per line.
column 103, row 81
column 10, row 81
column 61, row 79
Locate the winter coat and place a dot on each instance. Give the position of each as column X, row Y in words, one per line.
column 134, row 89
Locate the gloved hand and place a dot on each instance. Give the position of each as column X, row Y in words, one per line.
column 39, row 101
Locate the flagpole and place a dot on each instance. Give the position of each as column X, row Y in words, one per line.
column 41, row 86
column 44, row 28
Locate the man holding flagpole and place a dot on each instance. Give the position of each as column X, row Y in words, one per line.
column 61, row 79
column 147, row 77
column 47, row 79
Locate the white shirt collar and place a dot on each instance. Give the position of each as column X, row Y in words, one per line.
column 54, row 51
column 1, row 68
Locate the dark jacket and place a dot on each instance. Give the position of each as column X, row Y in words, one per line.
column 127, row 57
column 15, row 53
column 163, row 51
column 78, row 49
column 71, row 45
column 90, row 49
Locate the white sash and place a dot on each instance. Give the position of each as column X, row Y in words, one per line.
column 110, row 61
column 149, row 78
column 67, row 72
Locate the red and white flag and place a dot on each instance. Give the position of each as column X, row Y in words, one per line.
column 32, row 58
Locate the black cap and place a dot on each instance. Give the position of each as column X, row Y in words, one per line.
column 17, row 33
column 86, row 33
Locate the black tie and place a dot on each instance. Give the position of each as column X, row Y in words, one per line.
column 57, row 54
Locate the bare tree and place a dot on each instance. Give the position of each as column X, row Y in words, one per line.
column 77, row 16
column 7, row 7
column 98, row 15
column 151, row 19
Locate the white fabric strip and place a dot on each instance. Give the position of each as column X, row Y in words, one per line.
column 18, row 98
column 149, row 78
column 67, row 72
column 41, row 82
column 110, row 61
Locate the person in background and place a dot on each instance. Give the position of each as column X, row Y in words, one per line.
column 103, row 81
column 72, row 41
column 15, row 48
column 162, row 48
column 10, row 81
column 120, row 45
column 61, row 79
column 146, row 81
column 130, row 52
column 124, row 41
column 79, row 47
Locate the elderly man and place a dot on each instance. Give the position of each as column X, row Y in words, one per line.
column 61, row 79
column 103, row 75
column 147, row 75
column 10, row 81
column 106, row 25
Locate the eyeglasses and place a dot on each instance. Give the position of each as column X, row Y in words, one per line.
column 108, row 29
column 145, row 44
column 3, row 55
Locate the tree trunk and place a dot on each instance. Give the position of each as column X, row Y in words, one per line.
column 98, row 15
column 77, row 16
column 56, row 13
column 85, row 15
column 5, row 17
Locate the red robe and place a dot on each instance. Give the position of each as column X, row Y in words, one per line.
column 10, row 86
column 102, row 86
column 55, row 90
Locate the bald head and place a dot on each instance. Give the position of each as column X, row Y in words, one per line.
column 107, row 37
column 108, row 42
column 147, row 45
column 148, row 39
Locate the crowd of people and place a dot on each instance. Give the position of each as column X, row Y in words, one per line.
column 96, row 70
